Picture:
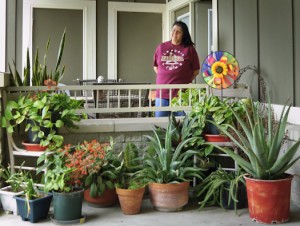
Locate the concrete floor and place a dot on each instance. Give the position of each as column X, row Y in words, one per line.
column 190, row 216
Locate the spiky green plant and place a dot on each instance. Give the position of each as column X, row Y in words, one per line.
column 168, row 164
column 130, row 166
column 214, row 187
column 261, row 143
column 39, row 71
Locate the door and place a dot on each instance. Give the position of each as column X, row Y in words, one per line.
column 50, row 23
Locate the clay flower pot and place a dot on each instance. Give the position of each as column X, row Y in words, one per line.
column 130, row 200
column 108, row 198
column 169, row 197
column 269, row 200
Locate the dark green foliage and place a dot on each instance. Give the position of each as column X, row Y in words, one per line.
column 166, row 163
column 41, row 108
column 130, row 167
column 213, row 186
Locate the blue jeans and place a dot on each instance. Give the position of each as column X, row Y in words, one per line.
column 165, row 102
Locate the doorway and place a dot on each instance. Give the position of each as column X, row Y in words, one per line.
column 45, row 28
column 138, row 36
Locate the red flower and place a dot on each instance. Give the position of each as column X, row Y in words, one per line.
column 87, row 158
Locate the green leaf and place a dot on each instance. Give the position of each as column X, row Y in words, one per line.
column 59, row 123
column 93, row 190
column 38, row 104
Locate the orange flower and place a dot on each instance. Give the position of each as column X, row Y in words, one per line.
column 87, row 158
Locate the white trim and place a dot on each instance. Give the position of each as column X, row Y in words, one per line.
column 113, row 8
column 210, row 31
column 3, row 35
column 186, row 15
column 89, row 29
column 215, row 25
column 293, row 114
column 176, row 5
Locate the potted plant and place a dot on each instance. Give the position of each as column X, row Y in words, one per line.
column 33, row 205
column 130, row 188
column 67, row 196
column 213, row 108
column 8, row 192
column 97, row 168
column 188, row 127
column 39, row 70
column 169, row 170
column 268, row 186
column 223, row 188
column 42, row 113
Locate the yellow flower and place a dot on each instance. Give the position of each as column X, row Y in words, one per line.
column 219, row 69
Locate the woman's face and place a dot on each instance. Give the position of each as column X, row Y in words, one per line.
column 176, row 35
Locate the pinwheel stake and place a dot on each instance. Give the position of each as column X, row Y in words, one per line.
column 220, row 70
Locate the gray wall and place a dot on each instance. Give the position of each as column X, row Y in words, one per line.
column 265, row 34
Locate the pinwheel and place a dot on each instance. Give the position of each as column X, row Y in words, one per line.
column 220, row 70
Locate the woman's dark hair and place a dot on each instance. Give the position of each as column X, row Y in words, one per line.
column 186, row 38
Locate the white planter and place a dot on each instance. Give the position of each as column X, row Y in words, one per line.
column 9, row 204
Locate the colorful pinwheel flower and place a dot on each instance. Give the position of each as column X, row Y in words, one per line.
column 220, row 70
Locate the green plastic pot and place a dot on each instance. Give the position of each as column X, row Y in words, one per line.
column 67, row 206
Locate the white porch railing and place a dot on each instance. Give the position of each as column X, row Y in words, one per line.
column 125, row 99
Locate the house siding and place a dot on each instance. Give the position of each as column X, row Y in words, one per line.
column 264, row 34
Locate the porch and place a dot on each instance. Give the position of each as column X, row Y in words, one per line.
column 190, row 216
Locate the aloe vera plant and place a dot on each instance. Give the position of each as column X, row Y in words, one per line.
column 262, row 143
column 169, row 164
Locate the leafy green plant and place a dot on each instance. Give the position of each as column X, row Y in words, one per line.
column 188, row 97
column 218, row 110
column 130, row 166
column 261, row 143
column 43, row 110
column 40, row 70
column 6, row 173
column 24, row 180
column 92, row 165
column 57, row 176
column 166, row 163
column 105, row 175
column 188, row 127
column 214, row 185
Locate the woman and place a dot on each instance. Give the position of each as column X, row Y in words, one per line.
column 175, row 62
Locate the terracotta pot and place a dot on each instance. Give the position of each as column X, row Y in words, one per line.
column 130, row 200
column 33, row 146
column 216, row 138
column 269, row 200
column 169, row 197
column 108, row 198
